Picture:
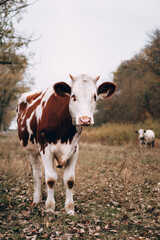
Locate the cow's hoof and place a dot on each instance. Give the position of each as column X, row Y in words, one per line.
column 70, row 212
column 69, row 208
column 50, row 206
column 36, row 199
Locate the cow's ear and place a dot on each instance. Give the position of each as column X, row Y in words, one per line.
column 62, row 89
column 106, row 89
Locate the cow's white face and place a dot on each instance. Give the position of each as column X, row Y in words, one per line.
column 83, row 100
column 141, row 134
column 83, row 97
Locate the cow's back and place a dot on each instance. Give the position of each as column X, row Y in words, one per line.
column 149, row 135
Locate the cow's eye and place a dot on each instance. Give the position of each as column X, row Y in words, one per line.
column 95, row 97
column 74, row 98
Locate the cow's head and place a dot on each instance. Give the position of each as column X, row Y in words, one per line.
column 141, row 134
column 83, row 94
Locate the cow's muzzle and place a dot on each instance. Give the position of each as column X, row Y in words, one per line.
column 85, row 121
column 142, row 138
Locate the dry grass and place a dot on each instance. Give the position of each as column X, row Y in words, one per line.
column 105, row 166
column 117, row 195
column 13, row 157
column 118, row 134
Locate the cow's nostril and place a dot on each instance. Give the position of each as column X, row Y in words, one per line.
column 85, row 121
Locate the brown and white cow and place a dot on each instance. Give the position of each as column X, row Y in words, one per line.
column 52, row 120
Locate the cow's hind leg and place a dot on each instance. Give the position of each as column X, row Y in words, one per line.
column 37, row 174
column 50, row 178
column 149, row 145
column 69, row 180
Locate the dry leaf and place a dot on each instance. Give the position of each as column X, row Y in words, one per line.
column 98, row 228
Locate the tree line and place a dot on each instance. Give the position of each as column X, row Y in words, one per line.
column 138, row 93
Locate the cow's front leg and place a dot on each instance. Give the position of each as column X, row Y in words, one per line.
column 69, row 180
column 141, row 144
column 50, row 177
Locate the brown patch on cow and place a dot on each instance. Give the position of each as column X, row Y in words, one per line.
column 70, row 183
column 23, row 134
column 43, row 103
column 32, row 97
column 33, row 126
column 25, row 113
column 22, row 106
column 56, row 122
column 51, row 183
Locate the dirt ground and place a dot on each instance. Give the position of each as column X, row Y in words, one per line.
column 117, row 195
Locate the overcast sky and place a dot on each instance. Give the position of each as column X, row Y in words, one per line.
column 86, row 36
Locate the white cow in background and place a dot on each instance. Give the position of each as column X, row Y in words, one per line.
column 146, row 137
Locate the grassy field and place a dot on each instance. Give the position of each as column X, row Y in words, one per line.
column 114, row 134
column 117, row 195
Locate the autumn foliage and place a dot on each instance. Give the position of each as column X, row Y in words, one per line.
column 138, row 81
column 13, row 62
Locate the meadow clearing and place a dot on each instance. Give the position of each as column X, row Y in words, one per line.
column 117, row 194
